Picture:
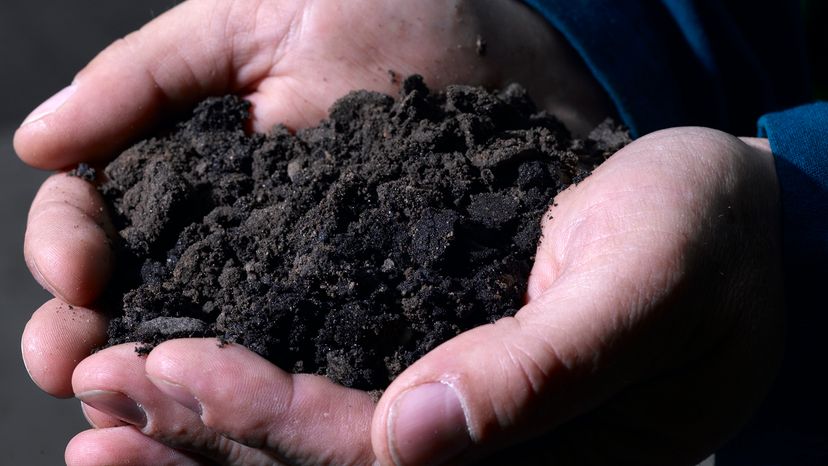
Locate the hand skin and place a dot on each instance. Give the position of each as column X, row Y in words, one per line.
column 653, row 321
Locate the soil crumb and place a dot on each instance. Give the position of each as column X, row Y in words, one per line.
column 349, row 249
column 83, row 171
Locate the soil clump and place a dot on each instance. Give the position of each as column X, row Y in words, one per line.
column 349, row 249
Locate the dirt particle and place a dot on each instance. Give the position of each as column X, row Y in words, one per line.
column 481, row 46
column 83, row 171
column 393, row 77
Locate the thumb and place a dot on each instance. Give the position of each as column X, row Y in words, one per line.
column 190, row 52
column 498, row 384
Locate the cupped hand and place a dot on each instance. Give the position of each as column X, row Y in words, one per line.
column 652, row 329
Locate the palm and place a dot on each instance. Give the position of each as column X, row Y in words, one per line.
column 663, row 242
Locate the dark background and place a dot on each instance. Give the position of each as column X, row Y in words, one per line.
column 816, row 15
column 43, row 43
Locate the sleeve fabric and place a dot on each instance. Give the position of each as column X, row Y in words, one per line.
column 790, row 428
column 799, row 141
column 665, row 63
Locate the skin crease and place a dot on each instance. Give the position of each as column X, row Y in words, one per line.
column 661, row 268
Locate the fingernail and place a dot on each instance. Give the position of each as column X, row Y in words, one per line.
column 179, row 394
column 116, row 405
column 52, row 104
column 86, row 415
column 427, row 426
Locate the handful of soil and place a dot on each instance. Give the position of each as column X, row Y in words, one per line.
column 349, row 249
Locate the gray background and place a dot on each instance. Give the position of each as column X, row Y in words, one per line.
column 43, row 43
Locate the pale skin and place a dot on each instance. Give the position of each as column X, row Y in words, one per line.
column 652, row 326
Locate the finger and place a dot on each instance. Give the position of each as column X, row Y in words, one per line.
column 304, row 419
column 67, row 246
column 99, row 419
column 122, row 446
column 56, row 339
column 196, row 49
column 113, row 381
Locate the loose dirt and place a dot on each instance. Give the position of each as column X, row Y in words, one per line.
column 349, row 249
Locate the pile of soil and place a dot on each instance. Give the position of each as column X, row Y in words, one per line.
column 349, row 249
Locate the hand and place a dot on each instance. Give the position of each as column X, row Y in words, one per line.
column 652, row 330
column 291, row 60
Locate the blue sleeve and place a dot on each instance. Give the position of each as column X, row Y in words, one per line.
column 671, row 63
column 790, row 427
column 799, row 141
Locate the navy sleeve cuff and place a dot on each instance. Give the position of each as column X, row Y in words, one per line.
column 669, row 63
column 640, row 67
column 799, row 141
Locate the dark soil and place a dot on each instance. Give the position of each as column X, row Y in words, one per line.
column 349, row 249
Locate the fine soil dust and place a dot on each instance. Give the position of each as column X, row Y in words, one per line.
column 349, row 249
